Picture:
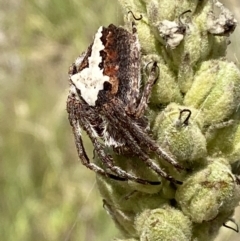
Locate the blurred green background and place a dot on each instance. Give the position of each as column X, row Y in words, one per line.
column 46, row 194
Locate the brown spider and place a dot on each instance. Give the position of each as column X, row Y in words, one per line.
column 106, row 102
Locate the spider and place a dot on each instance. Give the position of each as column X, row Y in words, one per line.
column 106, row 101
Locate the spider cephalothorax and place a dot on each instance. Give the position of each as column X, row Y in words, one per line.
column 105, row 101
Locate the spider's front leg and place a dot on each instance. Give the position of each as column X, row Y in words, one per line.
column 139, row 112
column 77, row 116
column 143, row 103
column 74, row 122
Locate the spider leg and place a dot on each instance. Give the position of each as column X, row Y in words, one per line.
column 135, row 147
column 121, row 175
column 80, row 148
column 143, row 138
column 153, row 76
column 136, row 131
column 108, row 161
column 79, row 144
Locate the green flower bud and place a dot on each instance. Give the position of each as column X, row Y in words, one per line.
column 224, row 138
column 208, row 192
column 149, row 44
column 159, row 10
column 184, row 140
column 215, row 91
column 166, row 88
column 123, row 202
column 124, row 220
column 164, row 223
column 210, row 229
column 220, row 47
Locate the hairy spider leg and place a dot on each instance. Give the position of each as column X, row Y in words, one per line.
column 140, row 112
column 135, row 75
column 80, row 147
column 145, row 95
column 132, row 142
column 107, row 159
column 143, row 138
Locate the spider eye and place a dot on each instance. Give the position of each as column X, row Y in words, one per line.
column 107, row 86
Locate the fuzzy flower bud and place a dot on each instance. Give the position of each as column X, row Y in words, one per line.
column 209, row 192
column 166, row 222
column 182, row 136
column 215, row 91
